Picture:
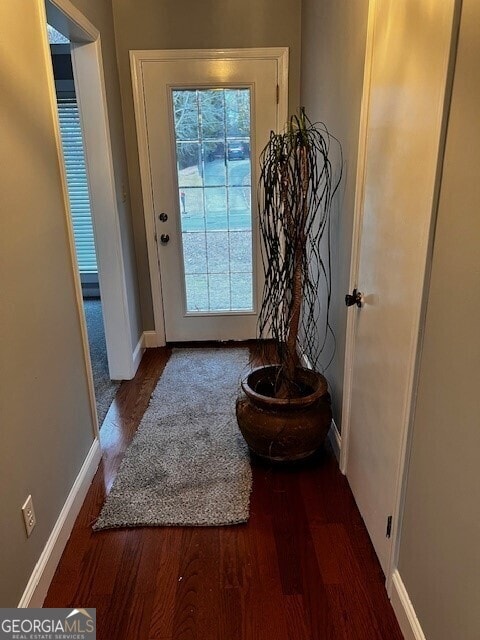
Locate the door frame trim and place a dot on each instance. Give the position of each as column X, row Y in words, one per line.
column 137, row 59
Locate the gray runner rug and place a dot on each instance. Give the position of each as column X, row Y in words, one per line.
column 188, row 464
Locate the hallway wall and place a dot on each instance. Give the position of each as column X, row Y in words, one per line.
column 189, row 24
column 333, row 53
column 439, row 560
column 46, row 425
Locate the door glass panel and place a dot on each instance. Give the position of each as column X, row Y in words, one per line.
column 212, row 130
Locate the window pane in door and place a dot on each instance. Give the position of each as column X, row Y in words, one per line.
column 212, row 129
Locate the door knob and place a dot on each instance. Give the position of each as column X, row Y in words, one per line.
column 354, row 298
column 164, row 238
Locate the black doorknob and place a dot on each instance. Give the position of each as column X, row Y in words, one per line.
column 164, row 238
column 354, row 298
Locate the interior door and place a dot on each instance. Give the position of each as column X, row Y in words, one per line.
column 207, row 121
column 409, row 69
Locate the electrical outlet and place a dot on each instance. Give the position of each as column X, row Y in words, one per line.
column 29, row 515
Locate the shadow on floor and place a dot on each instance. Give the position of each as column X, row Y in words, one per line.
column 105, row 389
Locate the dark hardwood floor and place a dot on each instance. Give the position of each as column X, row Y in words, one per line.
column 303, row 568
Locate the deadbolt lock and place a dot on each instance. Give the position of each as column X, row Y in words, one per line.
column 163, row 217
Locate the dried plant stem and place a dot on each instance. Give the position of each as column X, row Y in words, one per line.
column 297, row 188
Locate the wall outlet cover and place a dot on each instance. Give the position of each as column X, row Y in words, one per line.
column 29, row 515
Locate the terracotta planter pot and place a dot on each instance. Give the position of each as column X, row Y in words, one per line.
column 284, row 430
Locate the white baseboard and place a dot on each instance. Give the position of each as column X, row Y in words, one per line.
column 137, row 354
column 151, row 340
column 306, row 362
column 148, row 340
column 404, row 611
column 335, row 439
column 333, row 434
column 42, row 575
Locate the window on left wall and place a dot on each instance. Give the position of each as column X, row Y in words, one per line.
column 76, row 171
column 75, row 164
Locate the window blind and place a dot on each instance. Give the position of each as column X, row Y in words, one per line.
column 74, row 156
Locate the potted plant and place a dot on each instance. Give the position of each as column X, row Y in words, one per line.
column 284, row 411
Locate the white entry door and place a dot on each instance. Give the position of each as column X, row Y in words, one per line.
column 205, row 121
column 408, row 80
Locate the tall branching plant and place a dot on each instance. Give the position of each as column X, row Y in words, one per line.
column 296, row 191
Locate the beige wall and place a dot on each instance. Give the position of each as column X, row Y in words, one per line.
column 439, row 552
column 190, row 24
column 46, row 428
column 100, row 15
column 333, row 53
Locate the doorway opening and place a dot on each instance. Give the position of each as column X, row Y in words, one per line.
column 200, row 129
column 81, row 217
column 121, row 342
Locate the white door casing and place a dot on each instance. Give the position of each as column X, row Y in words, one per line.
column 407, row 80
column 155, row 74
